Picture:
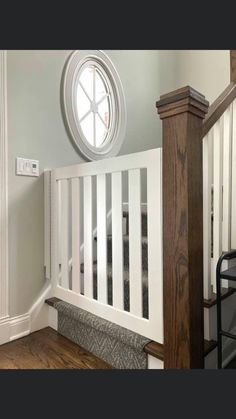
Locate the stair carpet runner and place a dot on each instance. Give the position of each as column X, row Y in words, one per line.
column 116, row 345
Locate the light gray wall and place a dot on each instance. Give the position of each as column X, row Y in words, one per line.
column 207, row 71
column 36, row 131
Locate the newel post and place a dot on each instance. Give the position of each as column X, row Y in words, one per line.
column 182, row 112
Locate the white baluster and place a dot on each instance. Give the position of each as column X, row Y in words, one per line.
column 135, row 244
column 101, row 239
column 117, row 242
column 233, row 209
column 207, row 227
column 88, row 238
column 75, row 235
column 54, row 230
column 64, row 234
column 217, row 201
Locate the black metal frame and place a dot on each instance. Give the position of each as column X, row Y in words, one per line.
column 225, row 256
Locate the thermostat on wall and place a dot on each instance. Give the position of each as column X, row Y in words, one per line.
column 27, row 167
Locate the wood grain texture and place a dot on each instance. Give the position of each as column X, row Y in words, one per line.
column 233, row 65
column 225, row 292
column 52, row 301
column 47, row 349
column 218, row 107
column 157, row 350
column 183, row 231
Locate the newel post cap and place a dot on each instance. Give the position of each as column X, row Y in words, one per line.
column 182, row 100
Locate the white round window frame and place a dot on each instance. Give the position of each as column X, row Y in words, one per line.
column 114, row 140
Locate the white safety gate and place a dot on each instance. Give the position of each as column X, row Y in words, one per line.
column 73, row 192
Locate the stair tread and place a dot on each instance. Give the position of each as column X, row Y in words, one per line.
column 143, row 211
column 209, row 345
column 225, row 292
column 229, row 274
column 152, row 348
column 155, row 349
column 87, row 318
column 126, row 238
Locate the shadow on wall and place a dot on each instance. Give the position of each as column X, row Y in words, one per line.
column 26, row 219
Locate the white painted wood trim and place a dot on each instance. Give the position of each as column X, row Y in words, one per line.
column 207, row 190
column 14, row 328
column 88, row 238
column 47, row 223
column 19, row 326
column 155, row 244
column 101, row 240
column 135, row 244
column 112, row 165
column 64, row 234
column 123, row 318
column 4, row 270
column 227, row 179
column 54, row 230
column 233, row 204
column 117, row 242
column 53, row 318
column 154, row 363
column 217, row 200
column 76, row 235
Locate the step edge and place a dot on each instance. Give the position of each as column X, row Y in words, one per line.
column 225, row 293
column 155, row 349
column 152, row 348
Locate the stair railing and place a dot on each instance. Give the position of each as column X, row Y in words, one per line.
column 219, row 184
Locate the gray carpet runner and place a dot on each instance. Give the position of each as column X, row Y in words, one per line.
column 119, row 347
column 114, row 344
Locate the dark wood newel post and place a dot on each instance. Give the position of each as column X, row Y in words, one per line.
column 182, row 112
column 233, row 65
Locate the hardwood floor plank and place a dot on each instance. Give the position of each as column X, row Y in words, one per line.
column 47, row 349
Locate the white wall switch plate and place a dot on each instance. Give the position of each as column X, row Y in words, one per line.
column 27, row 167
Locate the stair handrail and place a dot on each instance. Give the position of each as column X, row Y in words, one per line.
column 218, row 107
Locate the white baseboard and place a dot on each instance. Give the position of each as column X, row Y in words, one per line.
column 14, row 328
column 4, row 331
column 19, row 326
column 37, row 318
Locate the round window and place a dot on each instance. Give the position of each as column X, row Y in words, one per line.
column 94, row 104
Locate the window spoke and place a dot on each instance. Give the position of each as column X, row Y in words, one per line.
column 103, row 98
column 102, row 121
column 84, row 116
column 85, row 92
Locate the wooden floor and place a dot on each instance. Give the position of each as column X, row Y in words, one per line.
column 46, row 349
